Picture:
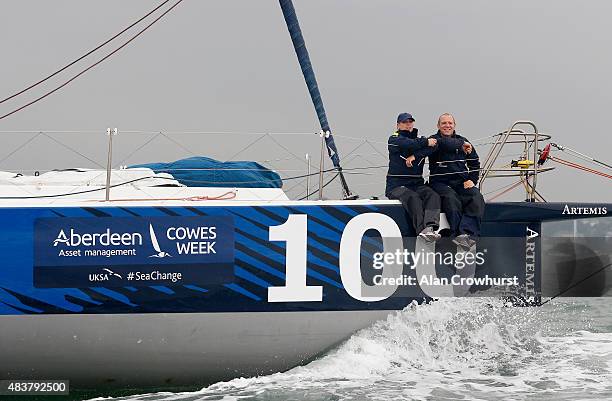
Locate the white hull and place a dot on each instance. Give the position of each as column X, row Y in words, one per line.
column 129, row 350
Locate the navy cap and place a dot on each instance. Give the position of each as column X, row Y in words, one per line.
column 403, row 117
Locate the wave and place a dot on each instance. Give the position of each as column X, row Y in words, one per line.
column 451, row 348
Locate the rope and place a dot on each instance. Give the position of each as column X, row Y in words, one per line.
column 92, row 65
column 226, row 196
column 83, row 56
column 579, row 167
column 511, row 187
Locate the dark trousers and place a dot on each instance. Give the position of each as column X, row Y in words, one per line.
column 464, row 208
column 422, row 204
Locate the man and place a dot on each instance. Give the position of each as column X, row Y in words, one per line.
column 454, row 169
column 405, row 178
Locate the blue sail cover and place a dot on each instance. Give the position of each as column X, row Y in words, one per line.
column 206, row 172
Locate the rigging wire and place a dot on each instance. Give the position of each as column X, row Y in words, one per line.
column 308, row 175
column 74, row 150
column 84, row 55
column 287, row 150
column 94, row 64
column 581, row 155
column 177, row 143
column 23, row 145
column 151, row 139
column 248, row 146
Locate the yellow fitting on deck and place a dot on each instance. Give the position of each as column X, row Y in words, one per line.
column 525, row 163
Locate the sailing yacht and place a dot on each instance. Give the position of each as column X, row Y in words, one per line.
column 139, row 276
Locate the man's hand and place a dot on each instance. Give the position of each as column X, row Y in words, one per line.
column 409, row 160
column 468, row 184
column 431, row 142
column 467, row 148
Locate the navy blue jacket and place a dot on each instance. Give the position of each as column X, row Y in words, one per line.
column 448, row 163
column 404, row 144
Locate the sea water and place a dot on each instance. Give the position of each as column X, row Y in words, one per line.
column 451, row 349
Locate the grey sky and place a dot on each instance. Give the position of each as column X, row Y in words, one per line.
column 215, row 65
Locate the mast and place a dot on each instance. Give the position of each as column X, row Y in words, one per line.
column 311, row 82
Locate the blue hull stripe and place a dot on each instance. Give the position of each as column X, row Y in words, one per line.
column 114, row 295
column 240, row 290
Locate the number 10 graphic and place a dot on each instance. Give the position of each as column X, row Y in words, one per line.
column 294, row 232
